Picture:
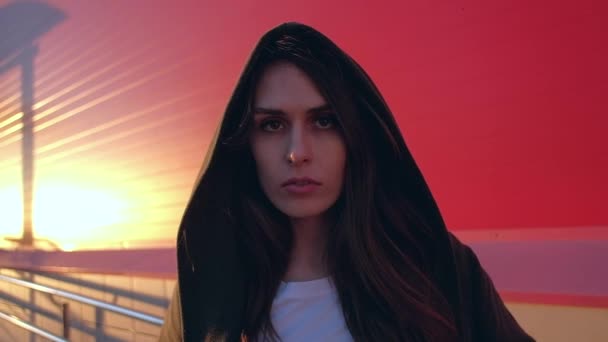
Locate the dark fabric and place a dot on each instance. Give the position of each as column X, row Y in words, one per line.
column 212, row 279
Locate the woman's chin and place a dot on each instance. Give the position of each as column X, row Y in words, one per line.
column 301, row 211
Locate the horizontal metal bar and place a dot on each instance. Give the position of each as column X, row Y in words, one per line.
column 29, row 327
column 110, row 307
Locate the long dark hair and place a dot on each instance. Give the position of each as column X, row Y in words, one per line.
column 233, row 245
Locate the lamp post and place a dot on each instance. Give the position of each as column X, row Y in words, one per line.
column 21, row 24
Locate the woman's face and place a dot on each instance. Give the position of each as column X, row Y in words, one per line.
column 295, row 135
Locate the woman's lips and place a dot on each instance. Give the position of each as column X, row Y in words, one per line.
column 300, row 181
column 301, row 189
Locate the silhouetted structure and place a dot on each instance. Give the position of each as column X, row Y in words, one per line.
column 21, row 24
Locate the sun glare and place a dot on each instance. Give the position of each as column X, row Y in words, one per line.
column 11, row 211
column 67, row 213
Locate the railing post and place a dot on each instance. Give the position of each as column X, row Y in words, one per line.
column 65, row 314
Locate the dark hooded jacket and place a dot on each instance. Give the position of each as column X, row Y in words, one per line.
column 208, row 300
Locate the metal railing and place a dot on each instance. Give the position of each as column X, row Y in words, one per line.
column 34, row 329
column 65, row 317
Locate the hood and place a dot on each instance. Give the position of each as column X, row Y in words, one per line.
column 210, row 268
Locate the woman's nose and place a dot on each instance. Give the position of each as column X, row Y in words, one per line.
column 299, row 149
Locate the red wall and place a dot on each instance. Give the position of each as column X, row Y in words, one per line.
column 502, row 103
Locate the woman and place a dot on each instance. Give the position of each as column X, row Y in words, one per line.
column 311, row 221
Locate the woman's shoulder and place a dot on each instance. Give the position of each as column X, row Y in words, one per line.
column 171, row 331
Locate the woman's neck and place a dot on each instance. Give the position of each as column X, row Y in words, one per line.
column 306, row 260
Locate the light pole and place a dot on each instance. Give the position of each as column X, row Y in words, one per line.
column 21, row 24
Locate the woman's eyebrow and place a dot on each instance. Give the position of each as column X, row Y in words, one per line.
column 271, row 111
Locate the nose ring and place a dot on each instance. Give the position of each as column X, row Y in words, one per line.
column 291, row 158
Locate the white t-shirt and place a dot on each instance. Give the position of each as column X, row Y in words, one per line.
column 309, row 311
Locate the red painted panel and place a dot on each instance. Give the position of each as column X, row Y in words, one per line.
column 502, row 103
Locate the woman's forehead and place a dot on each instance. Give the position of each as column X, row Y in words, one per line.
column 285, row 87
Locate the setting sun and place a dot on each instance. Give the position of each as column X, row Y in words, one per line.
column 11, row 202
column 69, row 213
column 65, row 213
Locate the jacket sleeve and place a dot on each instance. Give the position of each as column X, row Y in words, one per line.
column 486, row 316
column 171, row 331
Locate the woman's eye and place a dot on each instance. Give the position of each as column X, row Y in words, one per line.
column 271, row 125
column 325, row 122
